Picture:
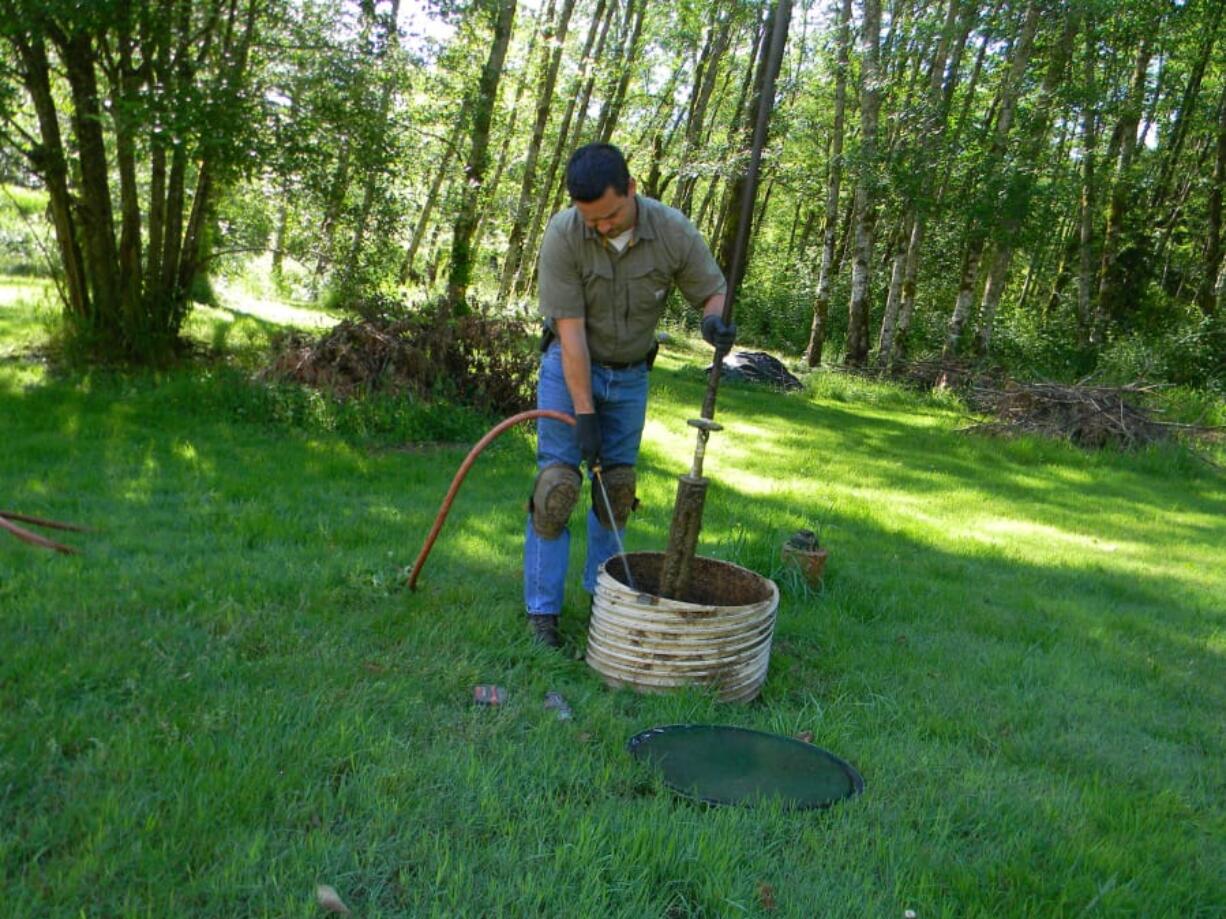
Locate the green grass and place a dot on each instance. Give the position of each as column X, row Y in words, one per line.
column 228, row 697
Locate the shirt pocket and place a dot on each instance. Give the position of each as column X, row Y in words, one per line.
column 599, row 294
column 597, row 281
column 646, row 292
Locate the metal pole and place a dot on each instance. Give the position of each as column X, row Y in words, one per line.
column 692, row 488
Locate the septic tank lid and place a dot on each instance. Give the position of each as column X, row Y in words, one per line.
column 720, row 764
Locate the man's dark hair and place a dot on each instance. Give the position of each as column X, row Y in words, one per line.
column 594, row 168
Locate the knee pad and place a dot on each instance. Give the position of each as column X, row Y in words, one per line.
column 619, row 482
column 554, row 496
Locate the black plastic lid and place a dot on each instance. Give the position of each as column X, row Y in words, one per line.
column 719, row 764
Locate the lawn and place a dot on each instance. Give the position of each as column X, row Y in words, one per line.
column 229, row 698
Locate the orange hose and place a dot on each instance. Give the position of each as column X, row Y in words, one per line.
column 463, row 471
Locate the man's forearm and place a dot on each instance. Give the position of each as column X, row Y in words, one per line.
column 576, row 364
column 714, row 305
column 577, row 369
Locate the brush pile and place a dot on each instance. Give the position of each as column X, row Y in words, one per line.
column 928, row 374
column 1089, row 416
column 477, row 359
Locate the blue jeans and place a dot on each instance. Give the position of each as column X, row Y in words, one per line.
column 620, row 398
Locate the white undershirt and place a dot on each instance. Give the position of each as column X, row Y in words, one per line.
column 620, row 242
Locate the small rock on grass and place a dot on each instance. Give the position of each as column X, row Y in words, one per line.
column 555, row 702
column 327, row 897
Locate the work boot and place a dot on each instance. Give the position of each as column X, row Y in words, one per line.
column 544, row 630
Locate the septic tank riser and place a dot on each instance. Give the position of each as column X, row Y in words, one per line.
column 720, row 636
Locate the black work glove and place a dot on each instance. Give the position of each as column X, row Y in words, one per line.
column 717, row 333
column 587, row 430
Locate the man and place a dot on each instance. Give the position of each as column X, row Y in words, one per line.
column 606, row 265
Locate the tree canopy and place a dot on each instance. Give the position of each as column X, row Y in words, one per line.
column 1029, row 180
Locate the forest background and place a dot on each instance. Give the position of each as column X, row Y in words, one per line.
column 1035, row 182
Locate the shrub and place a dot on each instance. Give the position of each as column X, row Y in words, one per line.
column 1193, row 354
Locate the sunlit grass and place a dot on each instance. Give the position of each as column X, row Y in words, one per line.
column 229, row 697
column 238, row 302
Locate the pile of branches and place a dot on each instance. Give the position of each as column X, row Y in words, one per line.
column 477, row 359
column 944, row 374
column 927, row 374
column 1089, row 416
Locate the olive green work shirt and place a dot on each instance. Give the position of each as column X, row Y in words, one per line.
column 621, row 295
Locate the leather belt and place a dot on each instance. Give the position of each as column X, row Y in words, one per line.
column 619, row 365
column 548, row 337
column 649, row 359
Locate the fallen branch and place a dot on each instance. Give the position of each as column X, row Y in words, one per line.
column 6, row 523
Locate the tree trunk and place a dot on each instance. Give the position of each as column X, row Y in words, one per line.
column 157, row 210
column 1008, row 96
column 763, row 82
column 1112, row 294
column 704, row 208
column 1085, row 232
column 1187, row 106
column 423, row 218
column 611, row 112
column 959, row 22
column 124, row 89
column 1033, row 268
column 968, row 281
column 437, row 252
column 509, row 138
column 705, row 75
column 332, row 210
column 280, row 234
column 665, row 110
column 805, row 236
column 1206, row 297
column 653, row 186
column 369, row 186
column 866, row 187
column 1068, row 248
column 893, row 301
column 737, row 130
column 544, row 101
column 192, row 253
column 49, row 161
column 585, row 99
column 97, row 219
column 599, row 24
column 910, row 283
column 993, row 289
column 1021, row 181
column 755, row 228
column 1193, row 172
column 460, row 270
